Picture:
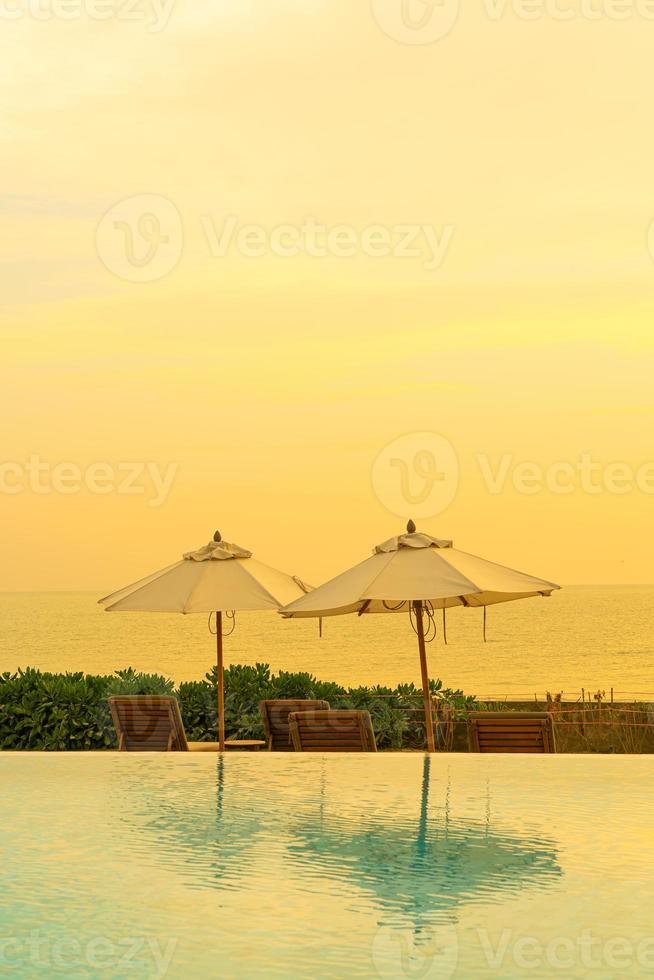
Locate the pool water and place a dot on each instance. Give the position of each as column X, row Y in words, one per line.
column 394, row 865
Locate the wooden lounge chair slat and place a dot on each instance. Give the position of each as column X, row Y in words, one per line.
column 512, row 750
column 512, row 728
column 520, row 732
column 148, row 723
column 354, row 737
column 510, row 739
column 153, row 723
column 139, row 724
column 275, row 719
column 511, row 747
column 489, row 743
column 332, row 731
column 321, row 743
column 509, row 733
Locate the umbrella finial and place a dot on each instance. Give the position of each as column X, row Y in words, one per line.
column 217, row 536
column 411, row 528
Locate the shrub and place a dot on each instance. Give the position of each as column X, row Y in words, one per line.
column 129, row 681
column 53, row 711
column 199, row 708
column 70, row 711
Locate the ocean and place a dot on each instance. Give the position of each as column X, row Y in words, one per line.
column 591, row 637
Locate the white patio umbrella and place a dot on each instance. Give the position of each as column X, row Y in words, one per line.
column 218, row 578
column 416, row 573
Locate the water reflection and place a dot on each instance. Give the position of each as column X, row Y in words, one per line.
column 322, row 867
column 409, row 856
column 424, row 866
column 186, row 822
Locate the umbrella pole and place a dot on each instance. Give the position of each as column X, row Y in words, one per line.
column 221, row 681
column 429, row 722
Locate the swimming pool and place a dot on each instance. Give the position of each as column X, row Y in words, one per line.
column 311, row 866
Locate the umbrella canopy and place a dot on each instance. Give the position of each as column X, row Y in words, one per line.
column 417, row 566
column 216, row 578
column 417, row 573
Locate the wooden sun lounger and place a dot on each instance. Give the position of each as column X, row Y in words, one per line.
column 332, row 731
column 275, row 720
column 510, row 731
column 152, row 723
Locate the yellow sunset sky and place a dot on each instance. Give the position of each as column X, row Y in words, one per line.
column 272, row 382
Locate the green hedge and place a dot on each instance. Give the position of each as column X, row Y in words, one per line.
column 57, row 712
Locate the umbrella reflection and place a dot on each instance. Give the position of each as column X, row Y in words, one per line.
column 187, row 823
column 226, row 829
column 422, row 867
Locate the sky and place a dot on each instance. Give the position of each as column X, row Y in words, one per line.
column 302, row 269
